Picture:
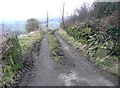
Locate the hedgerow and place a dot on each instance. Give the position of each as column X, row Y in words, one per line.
column 102, row 48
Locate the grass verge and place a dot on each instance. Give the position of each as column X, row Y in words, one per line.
column 26, row 41
column 11, row 70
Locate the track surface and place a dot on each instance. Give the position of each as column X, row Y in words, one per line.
column 76, row 71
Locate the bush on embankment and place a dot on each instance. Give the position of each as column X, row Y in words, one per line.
column 102, row 48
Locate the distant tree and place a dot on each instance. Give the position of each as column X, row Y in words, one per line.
column 32, row 24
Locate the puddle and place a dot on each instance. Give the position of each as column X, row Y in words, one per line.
column 69, row 79
column 66, row 47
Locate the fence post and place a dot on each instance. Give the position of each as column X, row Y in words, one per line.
column 16, row 51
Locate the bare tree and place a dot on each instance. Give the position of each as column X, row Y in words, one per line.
column 47, row 23
column 3, row 30
column 63, row 18
column 48, row 20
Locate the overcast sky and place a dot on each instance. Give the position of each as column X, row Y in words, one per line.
column 24, row 9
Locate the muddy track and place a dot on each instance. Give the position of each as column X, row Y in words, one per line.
column 43, row 73
column 75, row 70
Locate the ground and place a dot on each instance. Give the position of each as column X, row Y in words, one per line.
column 74, row 71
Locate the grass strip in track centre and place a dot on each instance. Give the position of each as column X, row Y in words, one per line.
column 55, row 48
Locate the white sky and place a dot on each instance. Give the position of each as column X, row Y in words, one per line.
column 24, row 9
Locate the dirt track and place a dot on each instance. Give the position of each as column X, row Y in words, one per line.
column 76, row 71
